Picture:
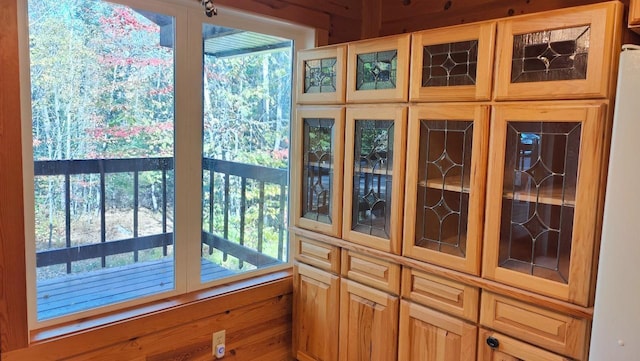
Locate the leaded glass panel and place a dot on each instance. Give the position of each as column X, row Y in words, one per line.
column 317, row 169
column 540, row 178
column 372, row 177
column 549, row 55
column 443, row 186
column 377, row 70
column 450, row 64
column 320, row 75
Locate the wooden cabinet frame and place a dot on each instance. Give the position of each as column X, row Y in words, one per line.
column 401, row 43
column 339, row 52
column 604, row 45
column 479, row 114
column 592, row 116
column 398, row 114
column 297, row 171
column 484, row 33
column 634, row 15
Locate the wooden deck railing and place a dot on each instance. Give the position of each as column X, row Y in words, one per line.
column 105, row 247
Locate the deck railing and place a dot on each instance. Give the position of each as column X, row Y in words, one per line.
column 224, row 169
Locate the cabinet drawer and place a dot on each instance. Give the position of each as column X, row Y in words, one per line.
column 440, row 293
column 318, row 254
column 381, row 274
column 548, row 329
column 505, row 348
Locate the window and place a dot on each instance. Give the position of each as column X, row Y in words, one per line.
column 136, row 196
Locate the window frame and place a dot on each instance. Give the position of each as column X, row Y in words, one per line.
column 189, row 17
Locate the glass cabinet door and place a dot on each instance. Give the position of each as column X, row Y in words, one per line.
column 373, row 176
column 452, row 64
column 316, row 169
column 544, row 192
column 378, row 70
column 445, row 182
column 562, row 54
column 321, row 75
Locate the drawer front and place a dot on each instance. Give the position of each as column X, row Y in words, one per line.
column 440, row 293
column 381, row 274
column 548, row 329
column 318, row 254
column 505, row 348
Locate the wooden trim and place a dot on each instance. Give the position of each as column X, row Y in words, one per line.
column 83, row 336
column 475, row 281
column 13, row 283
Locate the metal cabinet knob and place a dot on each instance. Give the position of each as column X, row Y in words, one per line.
column 493, row 342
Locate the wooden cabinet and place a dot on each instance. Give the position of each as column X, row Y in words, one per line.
column 316, row 294
column 375, row 140
column 493, row 346
column 452, row 64
column 542, row 197
column 316, row 169
column 445, row 186
column 427, row 335
column 368, row 323
column 378, row 70
column 469, row 182
column 562, row 54
column 321, row 75
column 634, row 15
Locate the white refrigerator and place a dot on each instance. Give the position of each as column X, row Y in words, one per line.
column 616, row 322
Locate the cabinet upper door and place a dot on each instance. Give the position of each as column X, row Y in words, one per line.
column 428, row 335
column 452, row 64
column 445, row 184
column 378, row 70
column 544, row 197
column 562, row 54
column 375, row 141
column 321, row 75
column 316, row 169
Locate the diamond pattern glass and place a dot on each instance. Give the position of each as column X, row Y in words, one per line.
column 372, row 177
column 377, row 70
column 443, row 186
column 549, row 55
column 450, row 64
column 318, row 169
column 320, row 75
column 540, row 178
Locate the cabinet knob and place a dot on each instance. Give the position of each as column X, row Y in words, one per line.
column 493, row 342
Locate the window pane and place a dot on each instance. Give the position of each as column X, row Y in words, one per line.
column 246, row 114
column 102, row 93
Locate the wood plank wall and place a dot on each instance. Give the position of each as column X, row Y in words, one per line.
column 257, row 321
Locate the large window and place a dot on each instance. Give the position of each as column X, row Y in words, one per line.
column 135, row 195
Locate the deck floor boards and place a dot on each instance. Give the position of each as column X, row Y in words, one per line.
column 79, row 292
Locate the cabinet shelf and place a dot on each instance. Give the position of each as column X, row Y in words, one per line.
column 452, row 184
column 547, row 195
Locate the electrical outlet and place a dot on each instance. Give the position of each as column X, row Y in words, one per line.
column 218, row 344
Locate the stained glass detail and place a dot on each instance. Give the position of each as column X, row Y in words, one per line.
column 450, row 64
column 548, row 55
column 372, row 177
column 317, row 169
column 377, row 70
column 320, row 75
column 540, row 178
column 443, row 186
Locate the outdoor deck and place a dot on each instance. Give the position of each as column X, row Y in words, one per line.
column 78, row 292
